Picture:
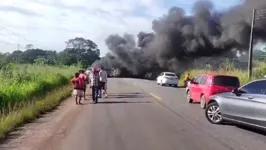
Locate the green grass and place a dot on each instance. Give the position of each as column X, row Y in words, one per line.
column 26, row 91
column 258, row 72
column 21, row 84
column 32, row 110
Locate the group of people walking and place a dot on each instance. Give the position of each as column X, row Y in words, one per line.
column 96, row 79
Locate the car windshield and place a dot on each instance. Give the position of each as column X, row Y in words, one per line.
column 170, row 74
column 226, row 81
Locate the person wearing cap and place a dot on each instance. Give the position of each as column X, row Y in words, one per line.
column 94, row 81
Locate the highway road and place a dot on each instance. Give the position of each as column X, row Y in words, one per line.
column 140, row 115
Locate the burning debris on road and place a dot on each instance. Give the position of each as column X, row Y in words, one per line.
column 180, row 41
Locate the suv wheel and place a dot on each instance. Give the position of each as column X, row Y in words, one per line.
column 213, row 113
column 162, row 84
column 189, row 100
column 202, row 102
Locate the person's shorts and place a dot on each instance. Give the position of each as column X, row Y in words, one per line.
column 103, row 85
column 78, row 93
column 85, row 87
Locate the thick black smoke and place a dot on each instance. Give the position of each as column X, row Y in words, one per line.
column 180, row 41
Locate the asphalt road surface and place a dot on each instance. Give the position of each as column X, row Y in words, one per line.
column 140, row 115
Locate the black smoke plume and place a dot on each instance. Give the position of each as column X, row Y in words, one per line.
column 181, row 41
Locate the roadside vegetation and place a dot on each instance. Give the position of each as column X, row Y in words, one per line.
column 21, row 84
column 28, row 90
column 259, row 70
column 36, row 80
column 32, row 110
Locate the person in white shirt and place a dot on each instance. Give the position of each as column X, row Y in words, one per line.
column 88, row 76
column 103, row 82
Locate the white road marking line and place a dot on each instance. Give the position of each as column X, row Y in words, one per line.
column 155, row 96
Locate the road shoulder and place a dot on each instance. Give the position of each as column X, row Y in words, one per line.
column 37, row 134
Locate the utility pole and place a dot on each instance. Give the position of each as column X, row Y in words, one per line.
column 18, row 47
column 250, row 58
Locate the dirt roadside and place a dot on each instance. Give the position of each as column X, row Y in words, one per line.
column 36, row 135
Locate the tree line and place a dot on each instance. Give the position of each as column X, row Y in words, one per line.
column 78, row 51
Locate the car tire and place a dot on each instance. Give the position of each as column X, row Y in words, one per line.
column 162, row 84
column 202, row 102
column 211, row 110
column 189, row 100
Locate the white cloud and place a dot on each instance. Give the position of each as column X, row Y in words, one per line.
column 49, row 23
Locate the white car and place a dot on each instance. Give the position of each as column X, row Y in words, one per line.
column 167, row 78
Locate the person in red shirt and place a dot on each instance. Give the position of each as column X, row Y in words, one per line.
column 78, row 90
column 83, row 77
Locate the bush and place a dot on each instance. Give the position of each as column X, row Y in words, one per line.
column 21, row 84
column 31, row 111
column 228, row 69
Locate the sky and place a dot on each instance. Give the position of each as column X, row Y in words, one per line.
column 48, row 24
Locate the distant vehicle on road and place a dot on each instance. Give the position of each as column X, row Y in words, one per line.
column 167, row 78
column 110, row 72
column 205, row 85
column 245, row 105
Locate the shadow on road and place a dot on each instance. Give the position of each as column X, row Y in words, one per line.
column 252, row 129
column 123, row 102
column 128, row 95
column 246, row 128
column 182, row 87
column 10, row 136
column 133, row 93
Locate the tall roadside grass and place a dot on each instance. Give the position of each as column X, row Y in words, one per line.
column 26, row 91
column 228, row 69
column 23, row 84
column 31, row 111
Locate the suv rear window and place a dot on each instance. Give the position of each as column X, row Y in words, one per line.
column 170, row 74
column 226, row 81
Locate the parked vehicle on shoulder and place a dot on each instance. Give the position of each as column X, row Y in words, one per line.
column 205, row 85
column 167, row 78
column 245, row 105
